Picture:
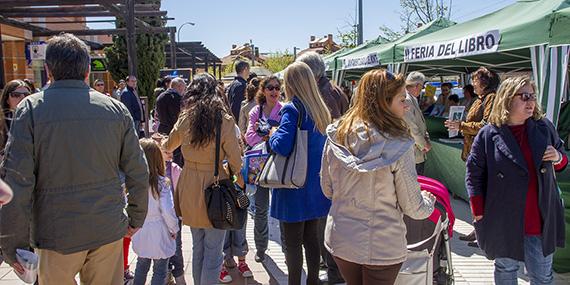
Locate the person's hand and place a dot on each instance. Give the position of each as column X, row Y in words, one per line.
column 427, row 147
column 18, row 267
column 428, row 195
column 173, row 235
column 240, row 182
column 265, row 138
column 478, row 218
column 272, row 131
column 452, row 125
column 551, row 154
column 131, row 231
column 6, row 193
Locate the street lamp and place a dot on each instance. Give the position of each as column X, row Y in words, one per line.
column 179, row 29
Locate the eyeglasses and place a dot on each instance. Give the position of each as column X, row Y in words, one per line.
column 271, row 88
column 527, row 96
column 100, row 84
column 19, row 94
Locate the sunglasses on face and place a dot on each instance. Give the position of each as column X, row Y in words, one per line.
column 19, row 94
column 100, row 85
column 527, row 96
column 271, row 88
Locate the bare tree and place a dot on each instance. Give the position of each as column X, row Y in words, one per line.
column 348, row 34
column 414, row 14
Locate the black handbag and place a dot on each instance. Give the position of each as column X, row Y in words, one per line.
column 226, row 204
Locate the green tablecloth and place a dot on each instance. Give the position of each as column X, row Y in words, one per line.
column 444, row 164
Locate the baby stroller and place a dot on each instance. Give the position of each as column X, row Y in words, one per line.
column 429, row 251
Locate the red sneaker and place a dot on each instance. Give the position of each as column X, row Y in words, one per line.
column 244, row 269
column 225, row 276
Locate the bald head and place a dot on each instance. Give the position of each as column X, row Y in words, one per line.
column 179, row 85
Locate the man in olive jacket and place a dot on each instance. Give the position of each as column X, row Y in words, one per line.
column 66, row 147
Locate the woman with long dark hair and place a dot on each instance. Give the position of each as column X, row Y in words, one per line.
column 14, row 92
column 203, row 112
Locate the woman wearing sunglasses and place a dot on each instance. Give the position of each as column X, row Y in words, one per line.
column 14, row 92
column 512, row 185
column 261, row 119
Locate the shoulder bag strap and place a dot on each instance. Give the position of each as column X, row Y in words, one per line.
column 218, row 142
column 301, row 114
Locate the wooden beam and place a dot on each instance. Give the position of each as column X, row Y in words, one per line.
column 173, row 47
column 120, row 31
column 28, row 3
column 83, row 21
column 79, row 14
column 22, row 25
column 131, row 37
column 97, row 8
column 120, row 12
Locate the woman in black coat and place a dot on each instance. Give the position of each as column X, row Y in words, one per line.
column 512, row 186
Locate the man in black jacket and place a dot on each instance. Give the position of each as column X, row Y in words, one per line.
column 168, row 105
column 131, row 99
column 236, row 90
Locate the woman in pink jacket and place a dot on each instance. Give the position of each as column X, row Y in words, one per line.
column 262, row 118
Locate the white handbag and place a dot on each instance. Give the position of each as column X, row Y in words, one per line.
column 288, row 171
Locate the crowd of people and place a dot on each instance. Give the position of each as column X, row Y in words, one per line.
column 86, row 188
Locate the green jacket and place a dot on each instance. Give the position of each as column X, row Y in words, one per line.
column 66, row 147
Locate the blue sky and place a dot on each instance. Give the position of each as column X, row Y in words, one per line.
column 280, row 25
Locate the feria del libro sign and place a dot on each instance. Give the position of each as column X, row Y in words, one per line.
column 487, row 42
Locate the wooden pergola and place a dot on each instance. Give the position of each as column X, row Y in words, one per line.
column 193, row 55
column 13, row 11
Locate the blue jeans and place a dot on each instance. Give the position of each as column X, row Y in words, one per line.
column 207, row 256
column 235, row 243
column 159, row 268
column 176, row 263
column 261, row 227
column 539, row 267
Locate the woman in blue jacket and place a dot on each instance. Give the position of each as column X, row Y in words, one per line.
column 299, row 209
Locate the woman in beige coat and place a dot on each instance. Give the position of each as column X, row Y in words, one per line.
column 368, row 171
column 195, row 133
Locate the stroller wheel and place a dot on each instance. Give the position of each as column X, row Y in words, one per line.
column 442, row 278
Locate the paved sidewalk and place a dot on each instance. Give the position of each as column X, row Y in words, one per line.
column 470, row 266
column 260, row 275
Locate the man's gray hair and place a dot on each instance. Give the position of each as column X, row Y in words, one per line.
column 67, row 57
column 414, row 78
column 315, row 62
column 177, row 82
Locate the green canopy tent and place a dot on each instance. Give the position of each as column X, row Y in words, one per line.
column 357, row 61
column 329, row 59
column 519, row 37
column 332, row 62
